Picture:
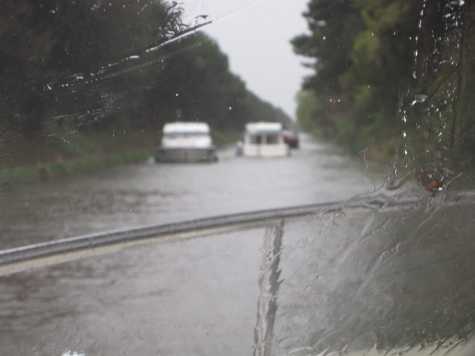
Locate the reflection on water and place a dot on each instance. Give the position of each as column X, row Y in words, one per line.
column 172, row 299
column 153, row 194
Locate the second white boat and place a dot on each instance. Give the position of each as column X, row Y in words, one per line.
column 263, row 139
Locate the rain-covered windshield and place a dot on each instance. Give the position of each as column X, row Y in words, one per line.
column 209, row 177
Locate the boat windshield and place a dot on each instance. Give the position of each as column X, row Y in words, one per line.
column 256, row 139
column 265, row 139
column 272, row 139
column 181, row 135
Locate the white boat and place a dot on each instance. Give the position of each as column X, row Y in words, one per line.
column 186, row 142
column 263, row 139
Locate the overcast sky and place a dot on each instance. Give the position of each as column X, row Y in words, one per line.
column 255, row 34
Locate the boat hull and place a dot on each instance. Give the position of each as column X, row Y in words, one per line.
column 266, row 151
column 185, row 155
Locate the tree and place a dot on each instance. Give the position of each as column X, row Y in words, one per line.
column 91, row 65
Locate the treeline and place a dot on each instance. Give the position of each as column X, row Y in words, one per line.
column 394, row 76
column 73, row 68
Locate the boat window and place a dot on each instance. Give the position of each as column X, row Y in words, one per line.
column 272, row 139
column 256, row 139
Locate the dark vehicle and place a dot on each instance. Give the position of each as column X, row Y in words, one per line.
column 291, row 138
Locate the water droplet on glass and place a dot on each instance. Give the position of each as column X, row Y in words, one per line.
column 419, row 99
column 73, row 353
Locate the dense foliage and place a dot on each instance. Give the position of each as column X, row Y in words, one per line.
column 74, row 67
column 390, row 71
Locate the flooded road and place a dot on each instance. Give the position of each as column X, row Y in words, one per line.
column 150, row 194
column 347, row 281
column 359, row 281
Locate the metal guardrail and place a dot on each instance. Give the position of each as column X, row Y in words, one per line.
column 57, row 251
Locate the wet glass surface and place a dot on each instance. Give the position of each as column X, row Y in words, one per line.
column 377, row 100
column 397, row 281
column 357, row 281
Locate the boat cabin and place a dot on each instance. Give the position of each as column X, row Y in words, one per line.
column 264, row 139
column 186, row 142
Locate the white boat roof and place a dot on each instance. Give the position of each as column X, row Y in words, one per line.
column 264, row 127
column 186, row 127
